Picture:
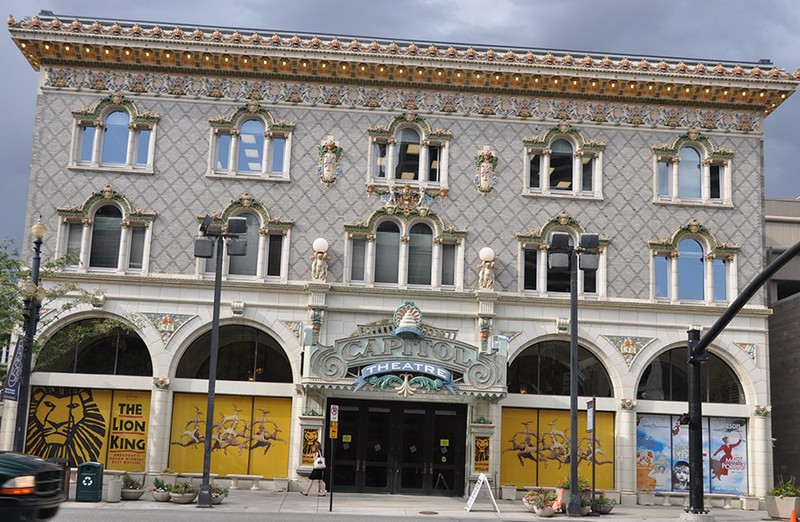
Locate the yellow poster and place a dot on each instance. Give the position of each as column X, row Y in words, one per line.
column 536, row 446
column 310, row 436
column 481, row 459
column 69, row 423
column 127, row 440
column 249, row 436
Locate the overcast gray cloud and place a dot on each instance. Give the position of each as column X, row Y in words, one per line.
column 718, row 30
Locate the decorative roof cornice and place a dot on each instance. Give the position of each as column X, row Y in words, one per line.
column 47, row 40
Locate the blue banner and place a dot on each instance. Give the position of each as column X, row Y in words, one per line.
column 11, row 386
column 404, row 366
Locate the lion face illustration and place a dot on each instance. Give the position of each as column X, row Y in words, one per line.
column 309, row 438
column 65, row 423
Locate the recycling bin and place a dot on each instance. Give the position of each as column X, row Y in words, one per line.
column 90, row 482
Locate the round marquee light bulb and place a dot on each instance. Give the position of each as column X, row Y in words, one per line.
column 320, row 245
column 486, row 254
column 39, row 229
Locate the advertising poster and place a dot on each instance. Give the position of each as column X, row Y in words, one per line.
column 249, row 436
column 728, row 448
column 536, row 444
column 69, row 423
column 310, row 436
column 680, row 455
column 653, row 452
column 481, row 452
column 127, row 438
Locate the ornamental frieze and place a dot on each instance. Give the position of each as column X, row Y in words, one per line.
column 537, row 108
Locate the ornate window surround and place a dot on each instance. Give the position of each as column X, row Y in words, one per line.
column 131, row 218
column 442, row 235
column 540, row 146
column 538, row 241
column 388, row 136
column 269, row 226
column 710, row 157
column 230, row 126
column 95, row 117
column 712, row 249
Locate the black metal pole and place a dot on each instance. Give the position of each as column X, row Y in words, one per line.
column 31, row 305
column 594, row 447
column 574, row 506
column 696, row 499
column 330, row 475
column 204, row 498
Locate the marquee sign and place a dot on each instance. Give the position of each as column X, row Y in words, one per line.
column 407, row 356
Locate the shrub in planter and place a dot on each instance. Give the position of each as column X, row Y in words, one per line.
column 540, row 501
column 584, row 488
column 160, row 490
column 132, row 489
column 784, row 497
column 183, row 493
column 218, row 494
column 602, row 504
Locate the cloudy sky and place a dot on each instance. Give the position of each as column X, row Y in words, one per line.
column 711, row 30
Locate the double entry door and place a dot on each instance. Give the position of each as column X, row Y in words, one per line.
column 410, row 448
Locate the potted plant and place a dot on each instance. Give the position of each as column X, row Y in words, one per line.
column 131, row 488
column 586, row 505
column 183, row 493
column 160, row 490
column 602, row 504
column 749, row 502
column 565, row 485
column 646, row 497
column 218, row 493
column 784, row 497
column 540, row 501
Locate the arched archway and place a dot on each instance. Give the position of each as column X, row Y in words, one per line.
column 245, row 354
column 666, row 379
column 543, row 369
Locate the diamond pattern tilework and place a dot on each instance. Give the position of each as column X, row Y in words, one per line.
column 180, row 190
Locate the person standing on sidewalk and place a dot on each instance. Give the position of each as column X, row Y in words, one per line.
column 318, row 471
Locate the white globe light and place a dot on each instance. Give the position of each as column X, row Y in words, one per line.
column 486, row 254
column 320, row 245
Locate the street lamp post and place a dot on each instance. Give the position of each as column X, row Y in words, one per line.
column 32, row 304
column 204, row 247
column 563, row 256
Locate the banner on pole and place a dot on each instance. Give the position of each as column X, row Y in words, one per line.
column 11, row 384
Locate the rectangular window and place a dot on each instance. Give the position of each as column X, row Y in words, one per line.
column 74, row 237
column 87, row 143
column 278, row 154
column 589, row 281
column 535, row 181
column 357, row 258
column 448, row 264
column 662, row 277
column 715, row 179
column 720, row 280
column 529, row 282
column 137, row 248
column 223, row 151
column 434, row 157
column 587, row 166
column 251, row 151
column 274, row 254
column 143, row 147
column 379, row 169
column 664, row 179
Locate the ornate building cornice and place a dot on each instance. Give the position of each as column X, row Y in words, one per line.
column 46, row 40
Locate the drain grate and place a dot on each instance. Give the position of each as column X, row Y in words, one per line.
column 428, row 512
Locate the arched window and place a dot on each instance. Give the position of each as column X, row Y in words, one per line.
column 408, row 150
column 666, row 379
column 387, row 252
column 95, row 346
column 247, row 265
column 245, row 354
column 114, row 138
column 106, row 234
column 251, row 144
column 689, row 173
column 544, row 369
column 690, row 270
column 561, row 159
column 420, row 254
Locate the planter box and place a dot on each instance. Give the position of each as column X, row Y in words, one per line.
column 646, row 498
column 132, row 494
column 508, row 492
column 183, row 498
column 160, row 496
column 781, row 507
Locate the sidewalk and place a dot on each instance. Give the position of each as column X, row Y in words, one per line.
column 385, row 506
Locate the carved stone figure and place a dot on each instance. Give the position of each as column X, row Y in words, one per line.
column 485, row 162
column 319, row 267
column 486, row 271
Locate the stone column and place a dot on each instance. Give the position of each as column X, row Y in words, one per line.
column 626, row 451
column 159, row 429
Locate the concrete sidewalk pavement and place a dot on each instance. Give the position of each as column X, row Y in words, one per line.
column 349, row 506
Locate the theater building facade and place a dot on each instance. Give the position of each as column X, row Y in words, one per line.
column 400, row 198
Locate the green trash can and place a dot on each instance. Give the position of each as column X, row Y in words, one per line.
column 90, row 482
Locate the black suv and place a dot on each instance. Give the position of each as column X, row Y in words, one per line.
column 30, row 488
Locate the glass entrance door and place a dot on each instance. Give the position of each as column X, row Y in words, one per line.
column 400, row 448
